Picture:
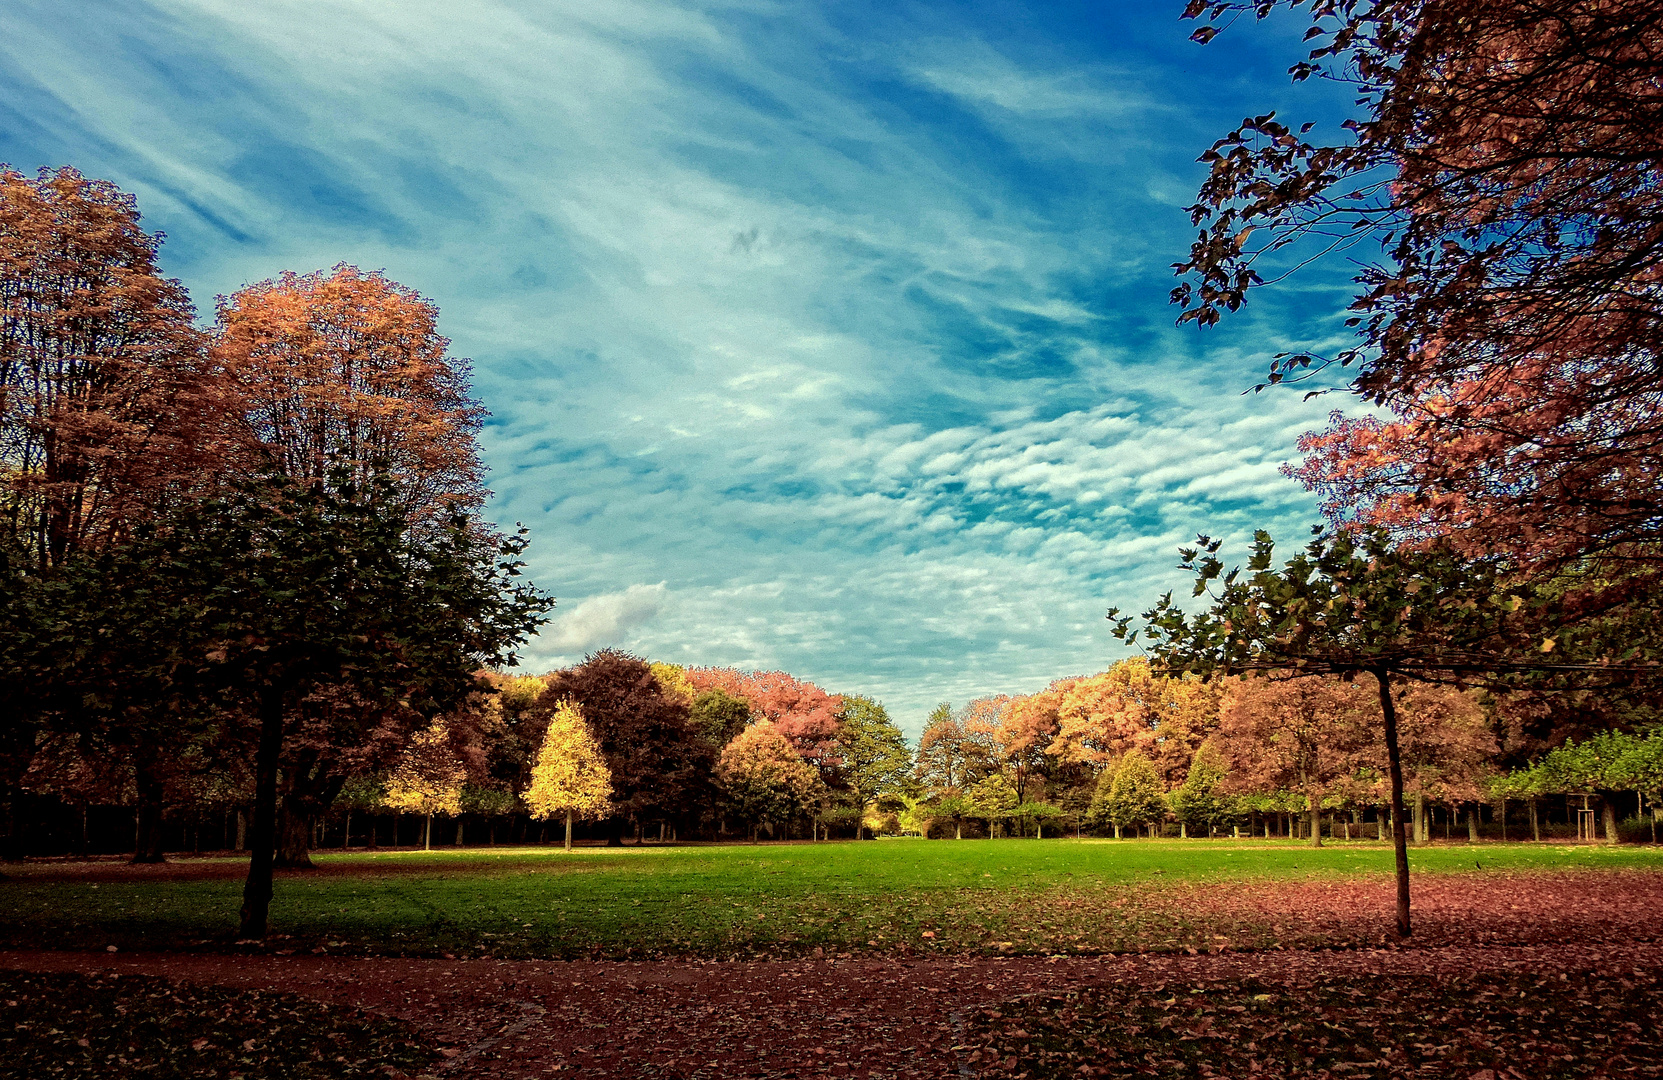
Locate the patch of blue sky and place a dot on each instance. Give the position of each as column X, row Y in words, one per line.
column 824, row 337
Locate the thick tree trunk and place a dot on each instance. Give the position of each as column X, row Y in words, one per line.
column 958, row 830
column 294, row 837
column 257, row 889
column 1316, row 825
column 147, row 832
column 568, row 830
column 1394, row 765
column 615, row 833
column 1472, row 824
column 1608, row 811
column 459, row 825
column 1423, row 828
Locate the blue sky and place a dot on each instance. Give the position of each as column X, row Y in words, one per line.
column 831, row 338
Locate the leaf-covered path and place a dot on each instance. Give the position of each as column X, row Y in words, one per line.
column 865, row 1017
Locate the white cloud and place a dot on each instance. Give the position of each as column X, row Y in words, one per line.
column 602, row 621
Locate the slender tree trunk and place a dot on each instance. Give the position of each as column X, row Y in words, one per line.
column 242, row 829
column 1504, row 821
column 568, row 830
column 257, row 889
column 1394, row 764
column 958, row 830
column 1535, row 823
column 459, row 825
column 427, row 833
column 1472, row 824
column 346, row 831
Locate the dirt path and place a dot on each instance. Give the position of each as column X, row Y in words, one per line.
column 863, row 1017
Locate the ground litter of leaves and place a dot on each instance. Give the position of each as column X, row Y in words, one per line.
column 104, row 1024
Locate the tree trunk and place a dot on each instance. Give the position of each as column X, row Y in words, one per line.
column 459, row 825
column 294, row 837
column 257, row 889
column 568, row 830
column 1183, row 831
column 1609, row 813
column 147, row 832
column 1394, row 763
column 346, row 831
column 1117, row 832
column 958, row 830
column 427, row 833
column 1316, row 824
column 1472, row 824
column 1423, row 828
column 242, row 830
column 1535, row 823
column 1504, row 821
column 615, row 832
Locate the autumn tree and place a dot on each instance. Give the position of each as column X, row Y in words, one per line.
column 570, row 777
column 1132, row 707
column 1303, row 735
column 658, row 765
column 427, row 779
column 1505, row 157
column 763, row 778
column 947, row 759
column 876, row 758
column 803, row 712
column 106, row 419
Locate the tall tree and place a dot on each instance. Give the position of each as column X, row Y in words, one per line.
column 1506, row 157
column 106, row 417
column 341, row 377
column 570, row 777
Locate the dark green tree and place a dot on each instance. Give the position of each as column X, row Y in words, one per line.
column 876, row 758
column 263, row 597
column 1361, row 605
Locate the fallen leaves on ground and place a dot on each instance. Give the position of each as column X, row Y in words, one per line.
column 64, row 1025
column 1485, row 1026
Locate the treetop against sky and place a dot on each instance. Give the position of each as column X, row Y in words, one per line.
column 834, row 341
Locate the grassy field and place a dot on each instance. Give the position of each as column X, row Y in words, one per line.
column 740, row 900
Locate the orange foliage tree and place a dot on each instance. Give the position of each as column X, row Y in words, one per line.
column 1131, row 707
column 101, row 379
column 803, row 713
column 1305, row 735
column 348, row 370
column 1507, row 157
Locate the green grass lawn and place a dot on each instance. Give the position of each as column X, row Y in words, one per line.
column 739, row 900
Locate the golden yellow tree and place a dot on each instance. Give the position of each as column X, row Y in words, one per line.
column 570, row 776
column 428, row 779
